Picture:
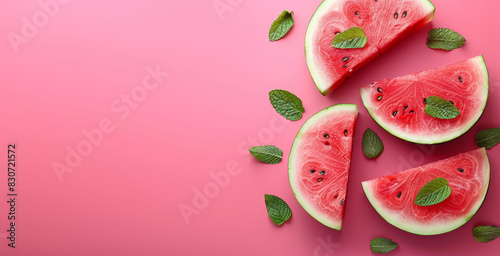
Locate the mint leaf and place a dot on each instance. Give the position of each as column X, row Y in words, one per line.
column 267, row 154
column 445, row 39
column 281, row 26
column 438, row 107
column 488, row 138
column 277, row 209
column 350, row 39
column 286, row 104
column 382, row 245
column 484, row 234
column 434, row 192
column 372, row 144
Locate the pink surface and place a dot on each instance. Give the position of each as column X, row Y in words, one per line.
column 75, row 71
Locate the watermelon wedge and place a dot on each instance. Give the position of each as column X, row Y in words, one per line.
column 319, row 163
column 398, row 104
column 393, row 196
column 385, row 23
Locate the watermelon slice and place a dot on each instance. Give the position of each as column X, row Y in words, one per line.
column 398, row 104
column 319, row 163
column 393, row 196
column 385, row 23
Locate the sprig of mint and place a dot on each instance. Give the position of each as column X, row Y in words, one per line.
column 281, row 26
column 488, row 138
column 484, row 234
column 434, row 192
column 438, row 107
column 277, row 209
column 286, row 104
column 445, row 39
column 372, row 144
column 382, row 245
column 350, row 39
column 268, row 154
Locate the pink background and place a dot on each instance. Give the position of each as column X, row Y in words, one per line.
column 123, row 198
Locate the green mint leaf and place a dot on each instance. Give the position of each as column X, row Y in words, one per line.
column 372, row 144
column 438, row 107
column 350, row 39
column 488, row 138
column 277, row 209
column 434, row 192
column 445, row 39
column 267, row 154
column 286, row 104
column 484, row 234
column 382, row 245
column 281, row 26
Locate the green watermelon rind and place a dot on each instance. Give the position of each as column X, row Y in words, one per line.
column 427, row 230
column 365, row 97
column 291, row 173
column 322, row 9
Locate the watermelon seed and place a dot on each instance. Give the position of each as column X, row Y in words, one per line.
column 326, row 135
column 396, row 15
column 341, row 201
column 313, row 171
column 379, row 98
column 452, row 102
column 356, row 13
column 399, row 195
column 327, row 144
column 346, row 132
column 336, row 196
column 460, row 170
column 460, row 79
column 336, row 33
column 394, row 113
column 345, row 59
column 380, row 90
column 411, row 111
column 320, row 179
column 322, row 172
column 425, row 100
column 345, row 66
column 405, row 107
column 404, row 14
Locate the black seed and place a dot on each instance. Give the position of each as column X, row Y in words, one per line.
column 313, row 171
column 460, row 170
column 380, row 90
column 326, row 135
column 404, row 14
column 327, row 144
column 322, row 172
column 341, row 201
column 336, row 196
column 346, row 132
column 452, row 102
column 396, row 15
column 379, row 98
column 394, row 113
column 320, row 179
column 356, row 13
column 405, row 107
column 345, row 66
column 460, row 79
column 411, row 111
column 345, row 59
column 425, row 100
column 399, row 195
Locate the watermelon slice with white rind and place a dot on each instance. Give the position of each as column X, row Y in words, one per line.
column 320, row 160
column 398, row 104
column 385, row 23
column 393, row 196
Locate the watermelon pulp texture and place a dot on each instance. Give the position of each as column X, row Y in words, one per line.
column 385, row 23
column 319, row 163
column 393, row 196
column 398, row 104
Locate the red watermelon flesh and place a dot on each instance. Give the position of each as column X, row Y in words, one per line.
column 393, row 196
column 398, row 104
column 319, row 163
column 385, row 23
